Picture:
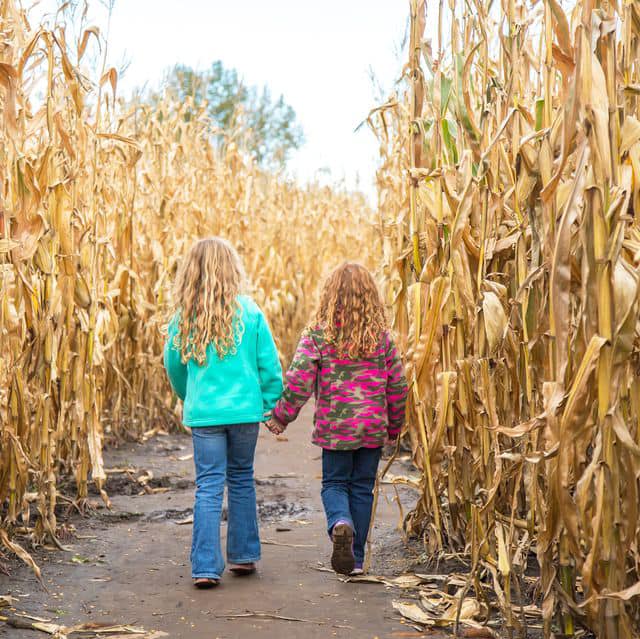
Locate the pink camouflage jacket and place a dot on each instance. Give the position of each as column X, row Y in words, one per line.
column 359, row 403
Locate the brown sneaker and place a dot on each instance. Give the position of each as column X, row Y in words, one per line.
column 342, row 559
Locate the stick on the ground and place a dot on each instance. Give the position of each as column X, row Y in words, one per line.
column 271, row 542
column 271, row 615
column 266, row 615
column 321, row 569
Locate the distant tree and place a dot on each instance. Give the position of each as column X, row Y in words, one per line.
column 274, row 129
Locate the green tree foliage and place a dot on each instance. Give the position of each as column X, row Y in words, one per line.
column 271, row 125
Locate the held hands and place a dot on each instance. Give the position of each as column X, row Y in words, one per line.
column 275, row 426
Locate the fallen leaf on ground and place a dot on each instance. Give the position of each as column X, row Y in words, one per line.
column 406, row 581
column 7, row 600
column 470, row 609
column 61, row 632
column 433, row 600
column 145, row 478
column 403, row 581
column 366, row 579
column 21, row 553
column 26, row 616
column 413, row 612
column 122, row 630
column 453, row 580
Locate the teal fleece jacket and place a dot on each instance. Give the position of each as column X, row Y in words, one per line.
column 241, row 388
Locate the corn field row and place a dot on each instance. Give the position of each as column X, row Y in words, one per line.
column 98, row 201
column 509, row 184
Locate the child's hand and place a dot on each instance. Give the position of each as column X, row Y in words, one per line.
column 389, row 447
column 275, row 426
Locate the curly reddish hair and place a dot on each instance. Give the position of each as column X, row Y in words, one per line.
column 351, row 311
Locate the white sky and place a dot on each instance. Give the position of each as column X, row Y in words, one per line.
column 317, row 53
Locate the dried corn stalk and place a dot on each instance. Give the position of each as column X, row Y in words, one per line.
column 98, row 201
column 511, row 253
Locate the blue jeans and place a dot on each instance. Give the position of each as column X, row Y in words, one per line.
column 224, row 453
column 348, row 478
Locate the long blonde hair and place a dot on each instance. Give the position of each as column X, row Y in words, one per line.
column 351, row 312
column 207, row 286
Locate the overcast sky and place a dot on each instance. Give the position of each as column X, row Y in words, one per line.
column 318, row 54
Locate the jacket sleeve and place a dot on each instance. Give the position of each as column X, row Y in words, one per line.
column 300, row 380
column 269, row 368
column 176, row 370
column 397, row 390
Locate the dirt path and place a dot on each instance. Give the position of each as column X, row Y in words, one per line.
column 131, row 565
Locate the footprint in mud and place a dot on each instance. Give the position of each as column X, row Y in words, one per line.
column 279, row 509
column 169, row 515
column 123, row 484
column 129, row 486
column 268, row 510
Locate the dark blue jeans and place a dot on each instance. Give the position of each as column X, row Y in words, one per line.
column 224, row 454
column 348, row 478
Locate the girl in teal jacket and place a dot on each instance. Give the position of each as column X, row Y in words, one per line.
column 223, row 364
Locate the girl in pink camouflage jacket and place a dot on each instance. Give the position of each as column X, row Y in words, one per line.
column 348, row 360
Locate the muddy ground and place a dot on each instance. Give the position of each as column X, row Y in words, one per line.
column 130, row 565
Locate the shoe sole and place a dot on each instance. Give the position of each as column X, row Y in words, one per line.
column 342, row 559
column 207, row 585
column 243, row 572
